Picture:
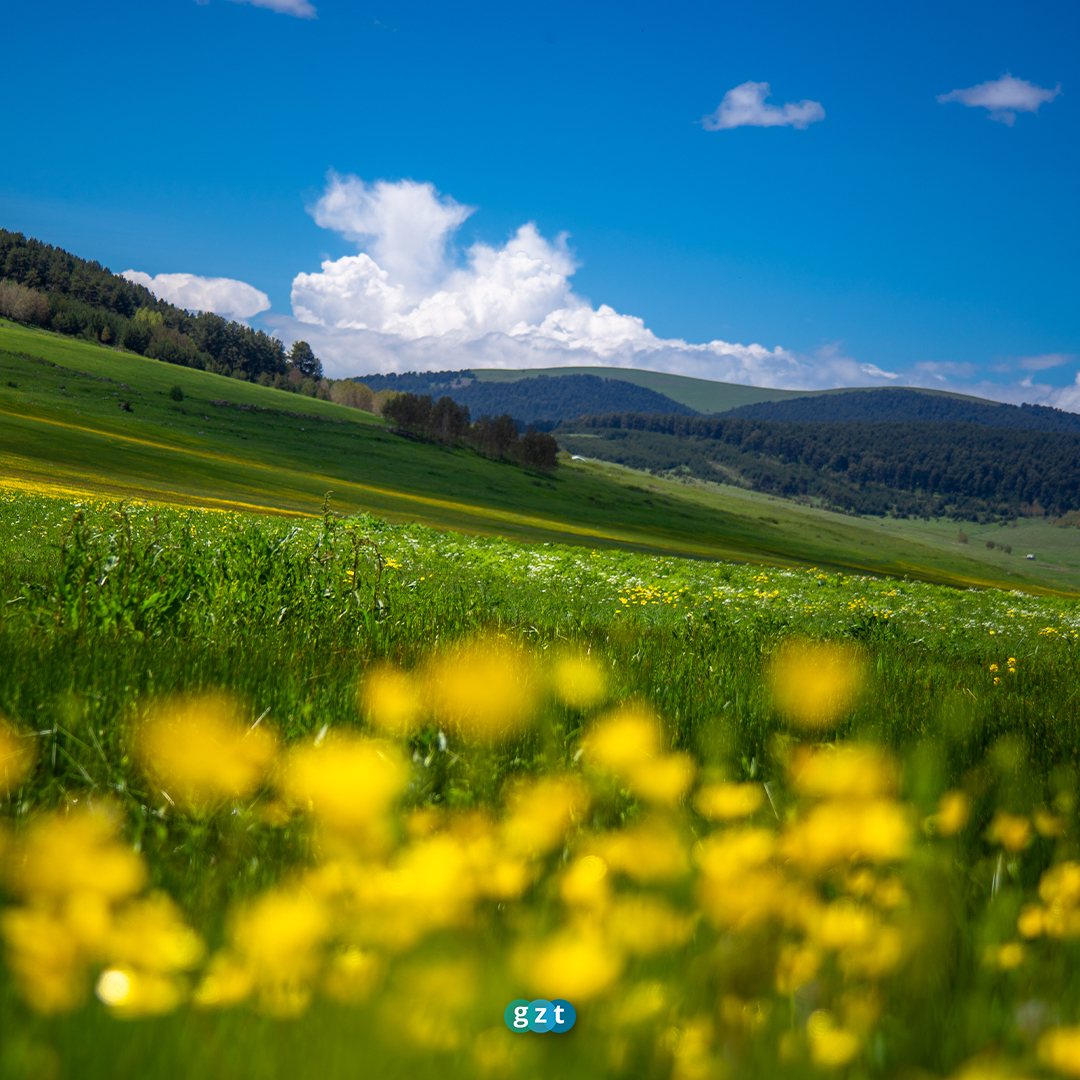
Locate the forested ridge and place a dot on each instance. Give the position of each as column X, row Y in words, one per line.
column 541, row 400
column 46, row 286
column 963, row 470
column 902, row 405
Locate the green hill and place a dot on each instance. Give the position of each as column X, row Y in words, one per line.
column 231, row 444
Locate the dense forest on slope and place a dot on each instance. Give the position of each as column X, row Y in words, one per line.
column 962, row 470
column 543, row 401
column 46, row 286
column 902, row 405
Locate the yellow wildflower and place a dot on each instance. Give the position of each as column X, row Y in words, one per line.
column 644, row 925
column 1059, row 1049
column 542, row 811
column 813, row 683
column 831, row 1046
column 854, row 772
column 482, row 690
column 576, row 964
column 1011, row 831
column 954, row 809
column 200, row 752
column 16, row 758
column 348, row 781
column 390, row 700
column 725, row 802
column 579, row 681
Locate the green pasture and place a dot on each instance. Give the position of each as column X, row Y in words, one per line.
column 62, row 431
column 104, row 608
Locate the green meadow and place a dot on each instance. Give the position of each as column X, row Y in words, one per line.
column 618, row 797
column 265, row 450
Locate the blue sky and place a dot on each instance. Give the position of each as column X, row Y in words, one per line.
column 885, row 237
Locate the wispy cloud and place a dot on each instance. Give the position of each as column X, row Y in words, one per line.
column 744, row 106
column 223, row 296
column 1045, row 361
column 302, row 9
column 1004, row 97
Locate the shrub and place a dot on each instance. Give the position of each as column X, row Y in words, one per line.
column 356, row 395
column 989, row 543
column 22, row 304
column 962, row 537
column 177, row 393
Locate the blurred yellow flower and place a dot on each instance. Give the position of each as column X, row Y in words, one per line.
column 391, row 700
column 725, row 802
column 482, row 690
column 853, row 772
column 585, row 883
column 797, row 965
column 645, row 925
column 16, row 757
column 576, row 964
column 151, row 935
column 130, row 992
column 352, row 974
column 831, row 1046
column 833, row 833
column 627, row 744
column 579, row 681
column 954, row 809
column 651, row 851
column 348, row 781
column 664, row 780
column 1048, row 825
column 1011, row 831
column 200, row 752
column 623, row 740
column 815, row 683
column 77, row 853
column 1006, row 957
column 541, row 812
column 1059, row 1049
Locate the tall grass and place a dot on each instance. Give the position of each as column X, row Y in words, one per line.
column 107, row 611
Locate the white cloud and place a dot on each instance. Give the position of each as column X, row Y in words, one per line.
column 224, row 296
column 1045, row 361
column 302, row 9
column 410, row 302
column 745, row 107
column 1004, row 97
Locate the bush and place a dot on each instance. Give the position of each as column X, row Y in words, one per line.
column 177, row 393
column 962, row 537
column 22, row 304
column 356, row 395
column 990, row 543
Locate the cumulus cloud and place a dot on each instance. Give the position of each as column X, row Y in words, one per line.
column 1004, row 97
column 224, row 296
column 411, row 301
column 744, row 106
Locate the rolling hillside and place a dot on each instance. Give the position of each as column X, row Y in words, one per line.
column 236, row 445
column 903, row 405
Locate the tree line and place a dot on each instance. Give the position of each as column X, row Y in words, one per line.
column 45, row 286
column 542, row 400
column 902, row 405
column 447, row 422
column 918, row 469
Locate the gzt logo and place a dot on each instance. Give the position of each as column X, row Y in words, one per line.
column 540, row 1015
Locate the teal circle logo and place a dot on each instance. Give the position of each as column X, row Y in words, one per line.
column 564, row 1014
column 540, row 1015
column 516, row 1015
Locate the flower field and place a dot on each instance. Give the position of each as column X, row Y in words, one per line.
column 321, row 798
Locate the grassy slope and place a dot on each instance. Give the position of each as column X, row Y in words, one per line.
column 63, row 432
